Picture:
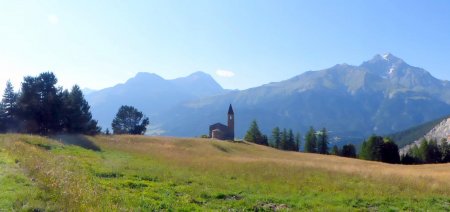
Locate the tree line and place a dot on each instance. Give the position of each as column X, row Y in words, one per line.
column 428, row 151
column 375, row 148
column 40, row 107
column 285, row 139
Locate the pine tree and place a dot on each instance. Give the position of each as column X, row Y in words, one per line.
column 423, row 150
column 414, row 152
column 253, row 134
column 264, row 140
column 444, row 148
column 291, row 141
column 322, row 143
column 276, row 139
column 377, row 148
column 77, row 115
column 297, row 142
column 349, row 151
column 311, row 141
column 40, row 104
column 3, row 127
column 433, row 155
column 335, row 150
column 389, row 152
column 372, row 148
column 8, row 110
column 284, row 140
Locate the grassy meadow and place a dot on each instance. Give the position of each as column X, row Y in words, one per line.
column 130, row 173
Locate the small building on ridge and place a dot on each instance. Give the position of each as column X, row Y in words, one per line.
column 221, row 131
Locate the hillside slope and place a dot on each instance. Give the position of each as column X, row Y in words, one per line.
column 413, row 134
column 439, row 131
column 382, row 95
column 149, row 173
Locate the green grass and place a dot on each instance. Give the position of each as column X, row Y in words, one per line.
column 18, row 191
column 141, row 173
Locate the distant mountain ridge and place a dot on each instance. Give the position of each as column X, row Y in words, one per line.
column 382, row 95
column 151, row 94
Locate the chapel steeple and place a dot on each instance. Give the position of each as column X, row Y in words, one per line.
column 231, row 122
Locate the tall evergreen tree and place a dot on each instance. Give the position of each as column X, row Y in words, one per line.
column 284, row 140
column 371, row 149
column 254, row 135
column 389, row 152
column 322, row 142
column 311, row 141
column 444, row 148
column 264, row 140
column 276, row 137
column 3, row 127
column 377, row 148
column 433, row 155
column 423, row 150
column 415, row 153
column 40, row 104
column 335, row 150
column 298, row 142
column 291, row 141
column 77, row 115
column 349, row 151
column 9, row 108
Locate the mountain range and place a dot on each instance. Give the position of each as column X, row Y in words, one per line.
column 151, row 94
column 382, row 95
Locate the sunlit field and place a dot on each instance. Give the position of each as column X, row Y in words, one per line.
column 153, row 173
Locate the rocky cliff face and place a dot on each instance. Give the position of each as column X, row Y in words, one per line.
column 438, row 133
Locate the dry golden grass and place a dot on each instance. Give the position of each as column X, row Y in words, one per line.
column 162, row 173
column 194, row 152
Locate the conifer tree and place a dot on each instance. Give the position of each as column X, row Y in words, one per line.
column 2, row 119
column 311, row 141
column 349, row 151
column 423, row 150
column 444, row 148
column 8, row 109
column 254, row 135
column 389, row 152
column 335, row 150
column 264, row 140
column 372, row 148
column 276, row 138
column 40, row 104
column 291, row 141
column 322, row 143
column 78, row 118
column 297, row 142
column 433, row 155
column 284, row 140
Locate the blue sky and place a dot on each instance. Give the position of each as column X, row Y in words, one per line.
column 242, row 44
